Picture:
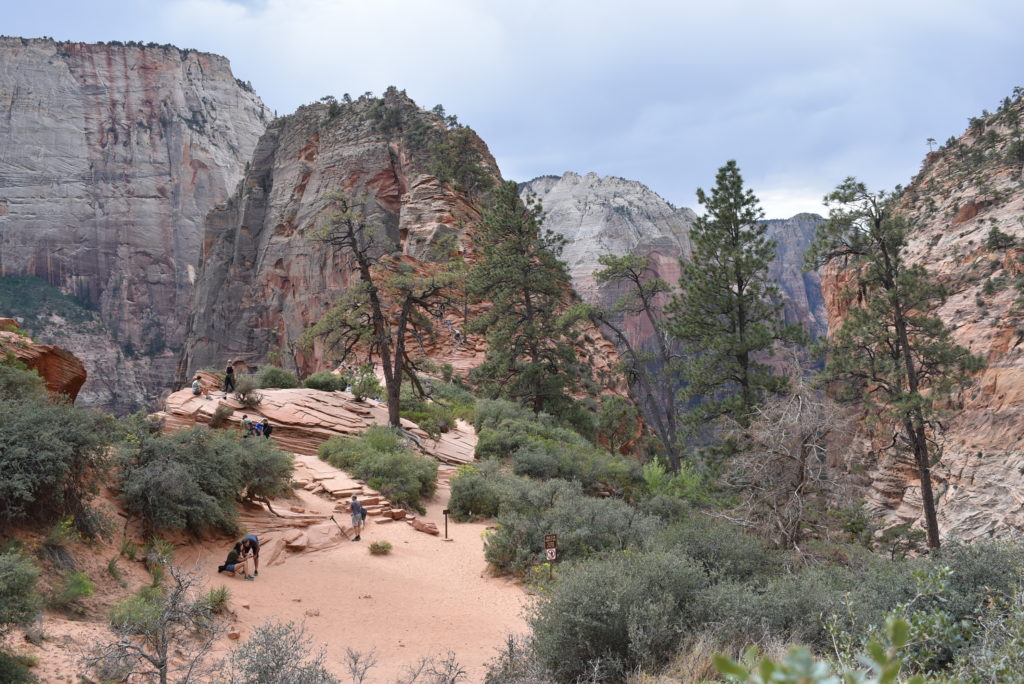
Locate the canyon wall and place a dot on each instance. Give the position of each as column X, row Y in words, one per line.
column 969, row 187
column 617, row 216
column 264, row 278
column 110, row 158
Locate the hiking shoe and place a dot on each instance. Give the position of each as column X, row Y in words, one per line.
column 220, row 568
column 256, row 574
column 356, row 539
column 250, row 578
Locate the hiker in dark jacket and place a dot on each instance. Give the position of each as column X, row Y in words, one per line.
column 267, row 428
column 229, row 378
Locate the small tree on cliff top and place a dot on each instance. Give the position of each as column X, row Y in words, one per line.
column 890, row 353
column 392, row 300
column 531, row 357
column 727, row 310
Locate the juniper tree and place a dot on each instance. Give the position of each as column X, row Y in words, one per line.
column 890, row 353
column 391, row 300
column 649, row 372
column 531, row 357
column 727, row 311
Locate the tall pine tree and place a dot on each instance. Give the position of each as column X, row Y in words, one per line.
column 531, row 357
column 890, row 353
column 727, row 310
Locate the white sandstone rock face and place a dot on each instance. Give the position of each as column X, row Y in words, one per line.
column 617, row 216
column 110, row 159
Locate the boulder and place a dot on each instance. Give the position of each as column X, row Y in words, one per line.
column 428, row 527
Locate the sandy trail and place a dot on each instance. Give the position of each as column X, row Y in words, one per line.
column 427, row 597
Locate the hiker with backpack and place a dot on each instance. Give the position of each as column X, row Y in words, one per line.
column 358, row 516
column 267, row 428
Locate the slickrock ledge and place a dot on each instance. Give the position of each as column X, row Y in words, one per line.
column 305, row 418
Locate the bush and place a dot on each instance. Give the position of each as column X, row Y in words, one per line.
column 479, row 491
column 17, row 382
column 326, row 381
column 19, row 602
column 725, row 550
column 491, row 413
column 221, row 415
column 380, row 548
column 278, row 653
column 75, row 586
column 366, row 386
column 59, row 453
column 644, row 604
column 216, row 600
column 274, row 376
column 246, row 391
column 191, row 479
column 14, row 670
column 381, row 459
column 584, row 526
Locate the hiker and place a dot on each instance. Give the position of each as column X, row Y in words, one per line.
column 229, row 378
column 267, row 428
column 235, row 558
column 358, row 516
column 251, row 544
column 256, row 428
column 197, row 388
column 246, row 426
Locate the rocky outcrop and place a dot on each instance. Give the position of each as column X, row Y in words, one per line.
column 617, row 216
column 970, row 186
column 61, row 370
column 263, row 277
column 305, row 418
column 110, row 158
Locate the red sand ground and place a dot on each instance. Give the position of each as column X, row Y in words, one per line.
column 427, row 597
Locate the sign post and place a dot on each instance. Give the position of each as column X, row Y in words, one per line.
column 445, row 511
column 550, row 550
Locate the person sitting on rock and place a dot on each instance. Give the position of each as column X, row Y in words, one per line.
column 251, row 544
column 235, row 559
column 197, row 387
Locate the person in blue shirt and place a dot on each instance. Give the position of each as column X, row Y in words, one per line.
column 251, row 544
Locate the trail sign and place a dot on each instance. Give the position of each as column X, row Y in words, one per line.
column 550, row 541
column 550, row 553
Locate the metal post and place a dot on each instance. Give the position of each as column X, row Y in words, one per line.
column 445, row 511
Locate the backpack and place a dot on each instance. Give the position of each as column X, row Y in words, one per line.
column 362, row 513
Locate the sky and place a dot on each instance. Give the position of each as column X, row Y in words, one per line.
column 801, row 93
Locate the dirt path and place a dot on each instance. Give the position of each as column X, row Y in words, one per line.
column 427, row 597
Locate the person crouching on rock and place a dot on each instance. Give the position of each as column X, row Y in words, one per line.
column 197, row 387
column 358, row 516
column 251, row 544
column 234, row 559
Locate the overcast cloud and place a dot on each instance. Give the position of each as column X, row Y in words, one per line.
column 801, row 94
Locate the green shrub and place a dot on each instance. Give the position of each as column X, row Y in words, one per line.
column 59, row 453
column 221, row 415
column 191, row 479
column 17, row 382
column 274, row 376
column 725, row 550
column 326, row 381
column 367, row 386
column 385, row 463
column 247, row 391
column 139, row 613
column 380, row 548
column 14, row 670
column 75, row 585
column 19, row 602
column 584, row 526
column 278, row 653
column 479, row 491
column 216, row 600
column 491, row 413
column 644, row 604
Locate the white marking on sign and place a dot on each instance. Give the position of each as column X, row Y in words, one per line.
column 550, row 553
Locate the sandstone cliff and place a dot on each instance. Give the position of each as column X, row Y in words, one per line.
column 618, row 216
column 263, row 279
column 110, row 158
column 970, row 186
column 61, row 370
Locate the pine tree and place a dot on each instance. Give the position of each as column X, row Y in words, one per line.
column 390, row 301
column 727, row 311
column 889, row 353
column 530, row 357
column 650, row 373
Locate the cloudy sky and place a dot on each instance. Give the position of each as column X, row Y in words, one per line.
column 800, row 93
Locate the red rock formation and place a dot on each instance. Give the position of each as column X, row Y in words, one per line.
column 63, row 373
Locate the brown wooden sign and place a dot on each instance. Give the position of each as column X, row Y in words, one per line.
column 550, row 541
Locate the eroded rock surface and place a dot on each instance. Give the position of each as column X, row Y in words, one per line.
column 110, row 158
column 61, row 370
